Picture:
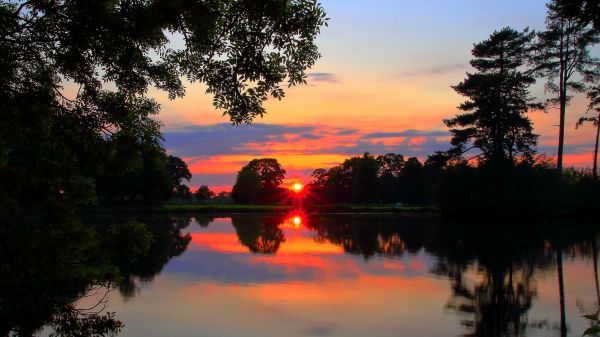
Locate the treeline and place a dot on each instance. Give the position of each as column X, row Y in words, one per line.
column 382, row 179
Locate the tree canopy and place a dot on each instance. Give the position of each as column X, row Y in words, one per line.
column 494, row 121
column 562, row 56
column 259, row 180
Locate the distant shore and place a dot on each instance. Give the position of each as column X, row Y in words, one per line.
column 267, row 209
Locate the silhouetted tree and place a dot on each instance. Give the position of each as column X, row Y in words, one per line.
column 562, row 53
column 411, row 182
column 587, row 11
column 203, row 193
column 390, row 168
column 247, row 188
column 270, row 175
column 153, row 178
column 269, row 170
column 498, row 98
column 365, row 184
column 594, row 96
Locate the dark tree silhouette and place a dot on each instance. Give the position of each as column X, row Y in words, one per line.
column 259, row 181
column 562, row 53
column 594, row 96
column 269, row 170
column 498, row 98
column 247, row 188
column 203, row 193
column 390, row 168
column 587, row 11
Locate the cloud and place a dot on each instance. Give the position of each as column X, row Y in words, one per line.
column 434, row 71
column 215, row 153
column 346, row 132
column 224, row 138
column 322, row 77
column 406, row 133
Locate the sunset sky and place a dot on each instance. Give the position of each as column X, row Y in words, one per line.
column 382, row 85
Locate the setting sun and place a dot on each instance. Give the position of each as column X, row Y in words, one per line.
column 297, row 187
column 297, row 220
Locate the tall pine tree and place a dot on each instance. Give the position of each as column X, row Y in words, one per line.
column 562, row 55
column 494, row 121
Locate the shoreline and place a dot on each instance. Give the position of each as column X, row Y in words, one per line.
column 264, row 209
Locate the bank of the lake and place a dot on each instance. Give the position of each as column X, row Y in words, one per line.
column 266, row 209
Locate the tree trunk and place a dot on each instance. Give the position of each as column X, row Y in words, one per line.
column 595, row 260
column 561, row 291
column 561, row 131
column 562, row 96
column 595, row 169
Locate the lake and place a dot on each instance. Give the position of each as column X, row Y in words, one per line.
column 358, row 275
column 297, row 274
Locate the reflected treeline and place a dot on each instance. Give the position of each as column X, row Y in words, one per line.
column 168, row 242
column 50, row 264
column 506, row 257
column 261, row 234
column 369, row 235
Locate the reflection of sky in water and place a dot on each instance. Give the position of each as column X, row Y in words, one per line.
column 309, row 288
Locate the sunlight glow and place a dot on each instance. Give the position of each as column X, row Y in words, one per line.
column 297, row 187
column 297, row 221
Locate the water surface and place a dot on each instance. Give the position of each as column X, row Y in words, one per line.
column 358, row 275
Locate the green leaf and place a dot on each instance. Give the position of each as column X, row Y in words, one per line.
column 592, row 331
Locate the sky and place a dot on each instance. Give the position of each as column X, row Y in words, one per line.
column 383, row 84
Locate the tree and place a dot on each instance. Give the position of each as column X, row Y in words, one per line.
column 203, row 193
column 594, row 96
column 390, row 165
column 411, row 182
column 269, row 170
column 390, row 168
column 563, row 53
column 355, row 180
column 587, row 11
column 498, row 98
column 247, row 188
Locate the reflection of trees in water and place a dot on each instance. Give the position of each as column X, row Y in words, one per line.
column 168, row 243
column 46, row 267
column 505, row 256
column 261, row 234
column 369, row 235
column 497, row 304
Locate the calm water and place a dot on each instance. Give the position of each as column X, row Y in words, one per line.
column 343, row 275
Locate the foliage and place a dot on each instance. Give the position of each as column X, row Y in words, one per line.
column 269, row 170
column 368, row 179
column 498, row 98
column 562, row 53
column 594, row 97
column 203, row 193
column 259, row 181
column 247, row 188
column 594, row 330
column 155, row 178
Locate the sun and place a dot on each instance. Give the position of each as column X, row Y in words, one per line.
column 297, row 220
column 297, row 187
